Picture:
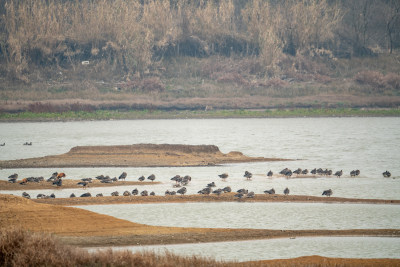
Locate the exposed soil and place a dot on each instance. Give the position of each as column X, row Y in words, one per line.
column 205, row 198
column 85, row 228
column 139, row 155
column 323, row 261
column 4, row 185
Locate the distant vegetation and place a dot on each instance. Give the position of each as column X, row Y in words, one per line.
column 125, row 49
column 194, row 114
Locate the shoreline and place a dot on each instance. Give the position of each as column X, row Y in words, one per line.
column 160, row 114
column 227, row 197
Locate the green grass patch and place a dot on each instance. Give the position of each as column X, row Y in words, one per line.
column 185, row 114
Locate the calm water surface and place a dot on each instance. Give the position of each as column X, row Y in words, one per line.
column 371, row 145
column 259, row 215
column 343, row 247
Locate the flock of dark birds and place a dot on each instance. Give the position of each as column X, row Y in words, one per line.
column 181, row 182
column 25, row 144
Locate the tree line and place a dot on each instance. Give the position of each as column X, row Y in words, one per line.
column 136, row 36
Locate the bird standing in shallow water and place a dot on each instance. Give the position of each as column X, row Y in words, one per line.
column 339, row 173
column 248, row 175
column 223, row 176
column 327, row 193
column 122, row 176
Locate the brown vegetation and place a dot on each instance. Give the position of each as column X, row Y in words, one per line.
column 21, row 248
column 225, row 54
column 85, row 228
column 140, row 155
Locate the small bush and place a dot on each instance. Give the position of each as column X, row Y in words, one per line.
column 377, row 80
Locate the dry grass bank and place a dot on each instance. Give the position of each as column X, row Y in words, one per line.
column 85, row 228
column 21, row 248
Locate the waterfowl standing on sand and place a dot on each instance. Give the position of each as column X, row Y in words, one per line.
column 223, row 176
column 83, row 184
column 182, row 191
column 270, row 173
column 122, row 176
column 248, row 175
column 99, row 195
column 354, row 173
column 242, row 191
column 298, row 171
column 218, row 191
column 250, row 195
column 24, row 181
column 58, row 182
column 177, row 178
column 386, row 174
column 227, row 189
column 152, row 177
column 288, row 174
column 126, row 194
column 186, row 179
column 40, row 196
column 304, row 172
column 286, row 191
column 211, row 184
column 135, row 192
column 314, row 171
column 239, row 195
column 327, row 193
column 205, row 191
column 52, row 195
column 61, row 175
column 115, row 194
column 141, row 178
column 144, row 193
column 13, row 176
column 152, row 193
column 270, row 192
column 26, row 195
column 72, row 195
column 86, row 195
column 339, row 173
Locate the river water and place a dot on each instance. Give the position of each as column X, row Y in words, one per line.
column 371, row 145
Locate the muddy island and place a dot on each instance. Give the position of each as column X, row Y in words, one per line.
column 138, row 155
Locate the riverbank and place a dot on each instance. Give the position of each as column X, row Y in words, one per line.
column 28, row 116
column 226, row 197
column 84, row 228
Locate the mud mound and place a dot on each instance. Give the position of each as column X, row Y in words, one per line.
column 140, row 155
column 129, row 149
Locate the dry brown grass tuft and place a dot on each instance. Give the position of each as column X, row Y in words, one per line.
column 21, row 248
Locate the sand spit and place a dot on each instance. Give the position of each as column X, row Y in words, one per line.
column 84, row 228
column 227, row 197
column 67, row 183
column 139, row 155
